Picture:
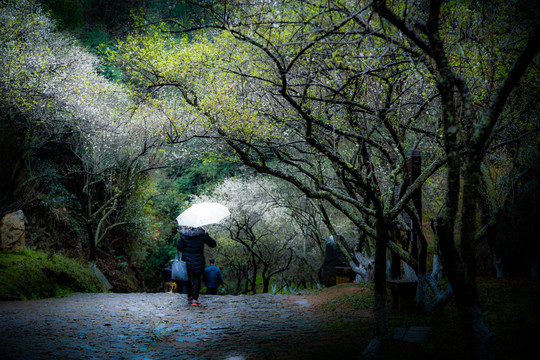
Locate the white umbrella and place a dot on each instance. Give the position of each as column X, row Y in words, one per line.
column 203, row 214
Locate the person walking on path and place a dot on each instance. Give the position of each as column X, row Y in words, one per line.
column 167, row 281
column 212, row 278
column 191, row 244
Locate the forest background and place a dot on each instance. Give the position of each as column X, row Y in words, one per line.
column 300, row 117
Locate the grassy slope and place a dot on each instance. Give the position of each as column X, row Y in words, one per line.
column 34, row 275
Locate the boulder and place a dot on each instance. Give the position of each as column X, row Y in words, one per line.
column 12, row 235
column 102, row 279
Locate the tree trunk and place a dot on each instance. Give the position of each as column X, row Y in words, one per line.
column 266, row 279
column 427, row 303
column 93, row 253
column 380, row 318
column 481, row 339
column 254, row 277
column 266, row 284
column 238, row 287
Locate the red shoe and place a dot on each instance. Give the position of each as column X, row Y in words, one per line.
column 195, row 302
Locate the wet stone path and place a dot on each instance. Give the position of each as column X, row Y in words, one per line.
column 164, row 326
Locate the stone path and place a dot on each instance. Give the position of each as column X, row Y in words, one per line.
column 164, row 326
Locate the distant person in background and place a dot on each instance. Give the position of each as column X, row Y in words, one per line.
column 212, row 278
column 167, row 282
column 191, row 245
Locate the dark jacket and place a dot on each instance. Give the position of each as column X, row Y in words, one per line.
column 191, row 244
column 166, row 272
column 213, row 277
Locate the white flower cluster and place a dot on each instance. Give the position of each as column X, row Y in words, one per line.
column 53, row 81
column 255, row 200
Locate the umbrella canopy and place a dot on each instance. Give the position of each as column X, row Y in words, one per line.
column 203, row 214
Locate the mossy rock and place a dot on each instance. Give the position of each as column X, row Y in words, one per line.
column 36, row 275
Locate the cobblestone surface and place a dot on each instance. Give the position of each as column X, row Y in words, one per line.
column 164, row 326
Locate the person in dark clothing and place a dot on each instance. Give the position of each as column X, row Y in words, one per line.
column 191, row 244
column 212, row 278
column 167, row 282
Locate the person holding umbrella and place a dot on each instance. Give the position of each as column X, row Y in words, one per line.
column 191, row 244
column 192, row 240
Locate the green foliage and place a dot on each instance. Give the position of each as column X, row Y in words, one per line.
column 156, row 261
column 35, row 275
column 69, row 13
column 200, row 175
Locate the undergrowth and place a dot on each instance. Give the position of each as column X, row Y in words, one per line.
column 33, row 274
column 359, row 300
column 510, row 308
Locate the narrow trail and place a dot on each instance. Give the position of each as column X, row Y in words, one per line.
column 165, row 326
